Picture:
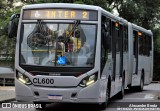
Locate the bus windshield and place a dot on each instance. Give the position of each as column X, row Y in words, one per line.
column 58, row 45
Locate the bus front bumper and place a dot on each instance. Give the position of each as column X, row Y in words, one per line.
column 89, row 94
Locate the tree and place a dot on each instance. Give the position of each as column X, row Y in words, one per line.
column 142, row 12
column 7, row 45
column 156, row 76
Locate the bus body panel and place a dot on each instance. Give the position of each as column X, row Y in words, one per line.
column 144, row 62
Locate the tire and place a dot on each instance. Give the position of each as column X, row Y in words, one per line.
column 120, row 95
column 103, row 106
column 140, row 87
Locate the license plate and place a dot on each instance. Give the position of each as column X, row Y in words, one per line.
column 55, row 97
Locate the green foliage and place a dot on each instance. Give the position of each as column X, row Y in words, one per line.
column 79, row 2
column 7, row 45
column 41, row 1
column 88, row 2
column 145, row 13
column 101, row 3
column 156, row 76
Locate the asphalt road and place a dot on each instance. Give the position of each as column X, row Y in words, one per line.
column 148, row 98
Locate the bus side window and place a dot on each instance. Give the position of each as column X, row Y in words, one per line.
column 113, row 31
column 105, row 40
column 147, row 45
column 144, row 45
column 135, row 44
column 140, row 45
column 125, row 49
column 127, row 39
column 108, row 36
column 117, row 37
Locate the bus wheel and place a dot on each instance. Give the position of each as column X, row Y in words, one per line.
column 140, row 87
column 104, row 105
column 121, row 93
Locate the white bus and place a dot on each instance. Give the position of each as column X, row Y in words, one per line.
column 78, row 53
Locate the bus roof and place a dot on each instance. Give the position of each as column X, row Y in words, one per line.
column 142, row 29
column 61, row 5
column 83, row 6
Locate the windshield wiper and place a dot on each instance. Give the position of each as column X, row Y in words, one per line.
column 43, row 32
column 76, row 23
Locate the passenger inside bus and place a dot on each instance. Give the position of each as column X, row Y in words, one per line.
column 43, row 47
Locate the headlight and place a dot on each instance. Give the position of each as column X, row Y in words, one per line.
column 22, row 78
column 89, row 80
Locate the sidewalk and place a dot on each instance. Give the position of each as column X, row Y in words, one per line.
column 7, row 93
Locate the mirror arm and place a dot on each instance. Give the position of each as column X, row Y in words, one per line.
column 14, row 16
column 12, row 28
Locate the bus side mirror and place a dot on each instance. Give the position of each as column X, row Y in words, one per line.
column 12, row 26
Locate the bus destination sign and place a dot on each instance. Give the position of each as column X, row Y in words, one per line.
column 59, row 14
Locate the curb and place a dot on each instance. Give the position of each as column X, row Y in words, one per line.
column 7, row 100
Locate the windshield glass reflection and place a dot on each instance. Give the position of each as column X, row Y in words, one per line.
column 60, row 45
